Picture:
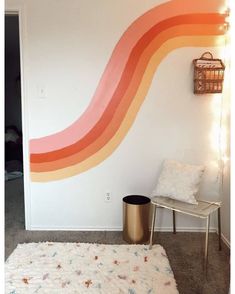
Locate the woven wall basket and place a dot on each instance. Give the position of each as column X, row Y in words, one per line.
column 208, row 74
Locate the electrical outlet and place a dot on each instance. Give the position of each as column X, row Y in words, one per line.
column 107, row 197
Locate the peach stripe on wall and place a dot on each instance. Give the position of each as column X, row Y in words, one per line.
column 199, row 41
column 114, row 71
column 126, row 78
column 131, row 91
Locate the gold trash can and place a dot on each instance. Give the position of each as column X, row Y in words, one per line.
column 136, row 210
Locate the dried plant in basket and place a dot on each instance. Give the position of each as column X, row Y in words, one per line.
column 208, row 74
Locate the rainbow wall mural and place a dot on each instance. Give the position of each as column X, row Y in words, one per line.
column 124, row 85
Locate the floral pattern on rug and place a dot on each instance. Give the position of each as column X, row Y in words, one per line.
column 88, row 268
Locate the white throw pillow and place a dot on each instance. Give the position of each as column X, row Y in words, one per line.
column 179, row 181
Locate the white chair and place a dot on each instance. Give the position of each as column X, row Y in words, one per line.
column 203, row 210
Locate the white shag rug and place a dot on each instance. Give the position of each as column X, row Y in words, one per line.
column 88, row 268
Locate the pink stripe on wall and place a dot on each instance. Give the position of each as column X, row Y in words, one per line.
column 114, row 69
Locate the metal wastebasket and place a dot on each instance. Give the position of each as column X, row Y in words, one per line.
column 136, row 210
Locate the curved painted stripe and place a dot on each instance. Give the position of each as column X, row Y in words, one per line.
column 199, row 41
column 114, row 70
column 124, row 83
column 126, row 101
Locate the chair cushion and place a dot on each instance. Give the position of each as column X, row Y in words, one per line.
column 179, row 181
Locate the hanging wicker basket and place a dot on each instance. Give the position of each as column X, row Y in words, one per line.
column 208, row 74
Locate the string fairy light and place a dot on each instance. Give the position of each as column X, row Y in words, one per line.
column 220, row 111
column 222, row 139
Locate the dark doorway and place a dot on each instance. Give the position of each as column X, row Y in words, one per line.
column 14, row 189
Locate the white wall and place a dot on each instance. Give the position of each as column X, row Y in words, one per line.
column 66, row 47
column 225, row 209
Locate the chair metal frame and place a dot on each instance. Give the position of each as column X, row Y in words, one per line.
column 176, row 206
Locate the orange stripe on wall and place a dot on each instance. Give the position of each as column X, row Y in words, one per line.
column 124, row 83
column 200, row 41
column 126, row 101
column 114, row 69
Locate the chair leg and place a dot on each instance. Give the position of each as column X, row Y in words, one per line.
column 174, row 228
column 152, row 227
column 219, row 228
column 207, row 240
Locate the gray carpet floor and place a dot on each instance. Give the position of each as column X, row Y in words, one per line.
column 185, row 250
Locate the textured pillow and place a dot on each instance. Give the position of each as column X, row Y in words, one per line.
column 179, row 181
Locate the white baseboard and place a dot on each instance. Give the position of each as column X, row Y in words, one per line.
column 184, row 229
column 60, row 228
column 117, row 228
column 226, row 241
